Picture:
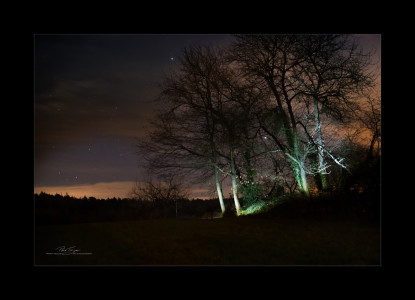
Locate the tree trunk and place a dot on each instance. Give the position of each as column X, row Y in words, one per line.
column 303, row 177
column 219, row 190
column 298, row 165
column 300, row 176
column 322, row 174
column 235, row 186
column 293, row 143
column 292, row 140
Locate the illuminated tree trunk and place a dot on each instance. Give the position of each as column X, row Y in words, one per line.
column 300, row 174
column 219, row 189
column 297, row 161
column 234, row 185
column 320, row 146
column 303, row 178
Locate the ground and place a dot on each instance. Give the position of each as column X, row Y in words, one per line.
column 227, row 241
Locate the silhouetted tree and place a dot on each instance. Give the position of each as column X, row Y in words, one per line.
column 160, row 192
column 371, row 121
column 270, row 61
column 333, row 75
column 306, row 75
column 196, row 129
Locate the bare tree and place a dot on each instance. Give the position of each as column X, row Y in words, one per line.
column 270, row 61
column 207, row 122
column 185, row 134
column 332, row 76
column 306, row 74
column 371, row 121
column 160, row 193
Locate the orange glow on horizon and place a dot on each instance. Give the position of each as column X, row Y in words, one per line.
column 104, row 190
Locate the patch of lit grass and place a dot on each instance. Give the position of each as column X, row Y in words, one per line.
column 259, row 207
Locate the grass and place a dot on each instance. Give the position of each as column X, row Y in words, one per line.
column 227, row 241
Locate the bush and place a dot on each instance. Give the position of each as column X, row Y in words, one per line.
column 252, row 193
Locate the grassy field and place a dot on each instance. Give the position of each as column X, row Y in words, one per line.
column 228, row 241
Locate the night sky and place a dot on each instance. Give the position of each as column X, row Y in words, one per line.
column 93, row 97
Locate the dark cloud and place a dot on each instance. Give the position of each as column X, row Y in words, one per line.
column 86, row 161
column 94, row 83
column 107, row 57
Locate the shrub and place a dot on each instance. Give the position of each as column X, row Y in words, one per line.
column 252, row 193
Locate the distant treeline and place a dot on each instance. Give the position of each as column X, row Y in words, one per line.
column 357, row 196
column 58, row 209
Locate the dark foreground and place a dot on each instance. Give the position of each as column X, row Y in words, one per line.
column 228, row 241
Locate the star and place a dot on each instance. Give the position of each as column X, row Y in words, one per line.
column 171, row 58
